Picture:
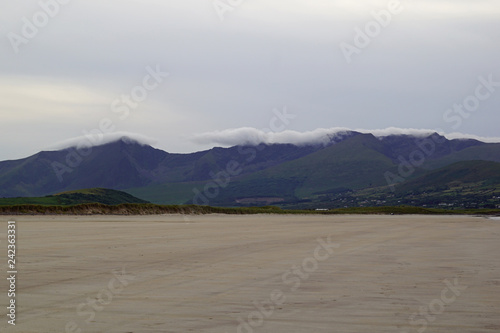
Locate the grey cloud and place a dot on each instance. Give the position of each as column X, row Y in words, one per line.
column 264, row 55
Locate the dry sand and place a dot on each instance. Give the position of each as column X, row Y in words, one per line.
column 264, row 273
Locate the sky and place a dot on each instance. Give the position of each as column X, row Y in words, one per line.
column 187, row 75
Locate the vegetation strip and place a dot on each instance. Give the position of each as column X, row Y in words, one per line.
column 152, row 209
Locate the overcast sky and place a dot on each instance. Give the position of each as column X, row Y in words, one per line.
column 281, row 65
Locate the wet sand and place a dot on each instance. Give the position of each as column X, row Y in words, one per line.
column 264, row 273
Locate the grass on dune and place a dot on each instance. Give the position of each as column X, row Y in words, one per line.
column 152, row 209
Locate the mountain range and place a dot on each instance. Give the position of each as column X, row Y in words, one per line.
column 351, row 169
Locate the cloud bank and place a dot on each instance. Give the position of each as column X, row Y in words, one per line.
column 101, row 139
column 253, row 136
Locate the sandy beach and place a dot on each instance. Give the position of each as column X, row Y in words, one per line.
column 262, row 273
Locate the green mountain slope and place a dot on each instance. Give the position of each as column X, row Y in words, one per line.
column 176, row 193
column 353, row 163
column 460, row 175
column 463, row 185
column 485, row 152
column 349, row 173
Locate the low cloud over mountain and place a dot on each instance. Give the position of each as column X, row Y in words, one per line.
column 92, row 139
column 254, row 136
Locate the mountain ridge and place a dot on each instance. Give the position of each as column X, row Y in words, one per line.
column 283, row 172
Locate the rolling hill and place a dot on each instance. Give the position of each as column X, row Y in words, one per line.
column 93, row 195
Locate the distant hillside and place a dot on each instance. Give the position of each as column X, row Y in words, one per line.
column 484, row 152
column 118, row 165
column 458, row 176
column 348, row 171
column 462, row 185
column 352, row 164
column 94, row 195
column 124, row 165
